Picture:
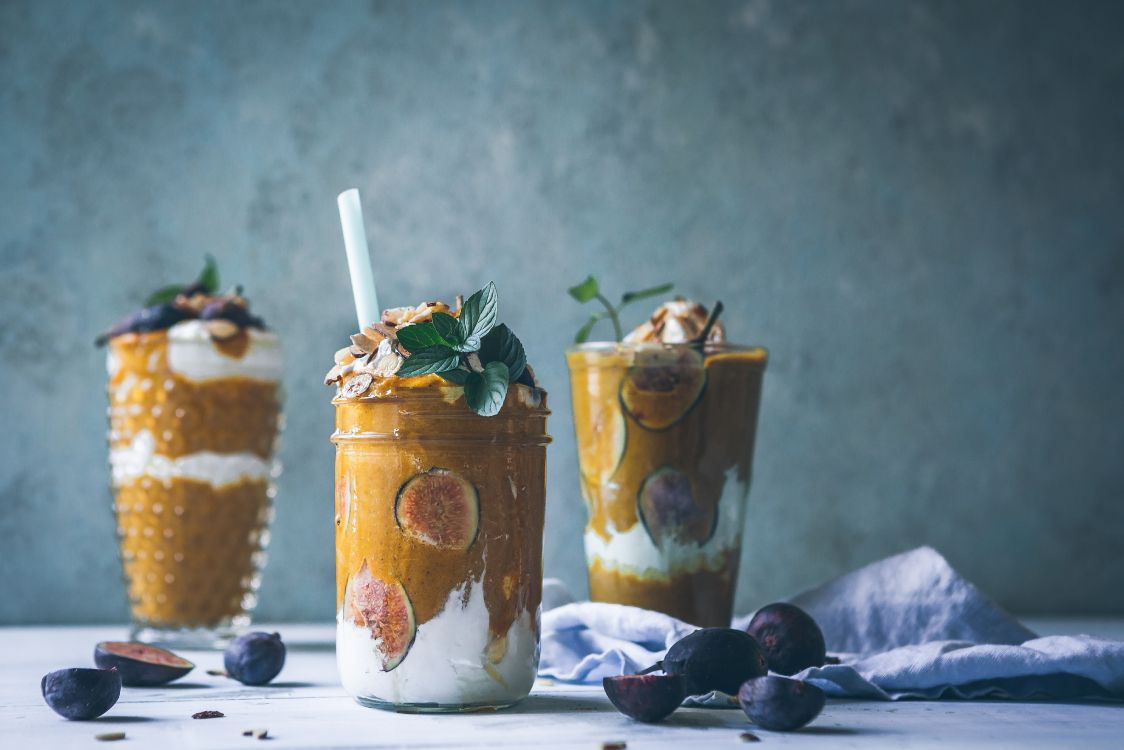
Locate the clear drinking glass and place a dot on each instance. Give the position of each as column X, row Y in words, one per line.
column 665, row 436
column 439, row 528
column 192, row 454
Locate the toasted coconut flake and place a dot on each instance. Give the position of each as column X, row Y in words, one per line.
column 343, row 356
column 676, row 322
column 357, row 385
column 363, row 343
column 333, row 375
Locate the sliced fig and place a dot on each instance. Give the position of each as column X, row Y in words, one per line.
column 663, row 386
column 139, row 664
column 645, row 697
column 384, row 608
column 439, row 508
column 602, row 438
column 670, row 510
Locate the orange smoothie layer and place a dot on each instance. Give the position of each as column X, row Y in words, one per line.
column 184, row 416
column 436, row 499
column 188, row 548
column 702, row 598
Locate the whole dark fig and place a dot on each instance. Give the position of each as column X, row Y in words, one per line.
column 139, row 664
column 645, row 697
column 81, row 694
column 255, row 658
column 790, row 638
column 715, row 659
column 780, row 704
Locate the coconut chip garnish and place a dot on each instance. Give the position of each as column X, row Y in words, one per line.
column 676, row 322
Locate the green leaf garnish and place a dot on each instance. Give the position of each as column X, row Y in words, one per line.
column 429, row 360
column 471, row 351
column 419, row 336
column 484, row 392
column 591, row 290
column 501, row 345
column 478, row 315
column 208, row 282
column 448, row 328
column 654, row 291
column 209, row 279
column 585, row 291
column 163, row 295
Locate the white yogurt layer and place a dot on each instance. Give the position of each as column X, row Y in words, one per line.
column 633, row 552
column 140, row 459
column 193, row 354
column 448, row 663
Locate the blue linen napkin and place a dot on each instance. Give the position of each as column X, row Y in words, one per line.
column 908, row 626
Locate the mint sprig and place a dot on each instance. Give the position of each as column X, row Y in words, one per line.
column 471, row 351
column 208, row 282
column 589, row 290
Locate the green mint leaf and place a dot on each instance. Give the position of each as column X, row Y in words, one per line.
column 501, row 345
column 584, row 331
column 478, row 315
column 447, row 328
column 163, row 295
column 209, row 279
column 469, row 345
column 429, row 360
column 586, row 290
column 484, row 392
column 419, row 336
column 456, row 377
column 654, row 291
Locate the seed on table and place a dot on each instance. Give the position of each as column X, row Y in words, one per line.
column 617, row 745
column 109, row 736
column 749, row 737
column 208, row 715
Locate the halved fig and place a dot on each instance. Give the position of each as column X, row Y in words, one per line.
column 670, row 510
column 601, row 442
column 139, row 664
column 663, row 386
column 439, row 508
column 645, row 697
column 384, row 608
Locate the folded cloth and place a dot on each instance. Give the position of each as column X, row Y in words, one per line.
column 908, row 626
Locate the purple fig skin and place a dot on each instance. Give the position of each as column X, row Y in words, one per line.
column 255, row 658
column 145, row 666
column 790, row 638
column 715, row 659
column 649, row 698
column 780, row 704
column 81, row 694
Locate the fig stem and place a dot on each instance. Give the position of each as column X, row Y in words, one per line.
column 653, row 668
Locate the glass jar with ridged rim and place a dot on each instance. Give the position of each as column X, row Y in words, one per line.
column 665, row 436
column 439, row 527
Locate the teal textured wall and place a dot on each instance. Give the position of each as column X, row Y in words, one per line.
column 919, row 208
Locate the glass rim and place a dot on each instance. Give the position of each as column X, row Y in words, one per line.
column 598, row 347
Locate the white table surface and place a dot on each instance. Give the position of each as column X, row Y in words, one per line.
column 307, row 708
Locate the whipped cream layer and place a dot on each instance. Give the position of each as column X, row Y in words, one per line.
column 448, row 663
column 193, row 354
column 634, row 553
column 140, row 459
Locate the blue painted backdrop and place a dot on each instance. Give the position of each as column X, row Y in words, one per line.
column 919, row 207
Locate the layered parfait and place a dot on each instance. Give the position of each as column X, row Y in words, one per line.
column 439, row 502
column 194, row 410
column 665, row 422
